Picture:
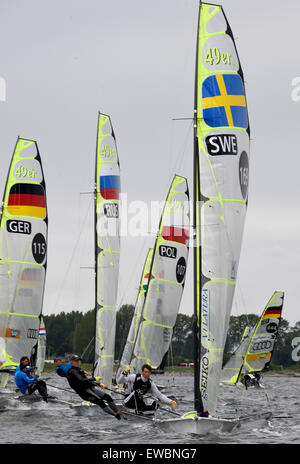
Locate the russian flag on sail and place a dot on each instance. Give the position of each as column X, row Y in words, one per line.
column 109, row 182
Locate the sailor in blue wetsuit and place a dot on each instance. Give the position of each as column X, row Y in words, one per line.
column 28, row 384
column 24, row 360
column 61, row 368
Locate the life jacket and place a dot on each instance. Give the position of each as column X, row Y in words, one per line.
column 141, row 387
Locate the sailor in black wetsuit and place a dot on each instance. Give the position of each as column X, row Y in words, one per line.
column 138, row 386
column 88, row 388
column 251, row 380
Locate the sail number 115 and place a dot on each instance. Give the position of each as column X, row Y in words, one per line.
column 214, row 56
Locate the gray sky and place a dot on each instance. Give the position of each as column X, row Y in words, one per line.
column 63, row 61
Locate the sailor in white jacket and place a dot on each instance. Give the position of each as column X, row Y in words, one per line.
column 137, row 386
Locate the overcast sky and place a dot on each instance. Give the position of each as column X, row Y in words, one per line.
column 63, row 61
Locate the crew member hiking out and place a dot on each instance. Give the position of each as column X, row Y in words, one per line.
column 62, row 369
column 28, row 383
column 138, row 385
column 88, row 388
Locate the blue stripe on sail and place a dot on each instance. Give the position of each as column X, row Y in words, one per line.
column 109, row 182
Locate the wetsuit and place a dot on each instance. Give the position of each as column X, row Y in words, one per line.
column 89, row 390
column 251, row 380
column 138, row 386
column 30, row 384
column 63, row 369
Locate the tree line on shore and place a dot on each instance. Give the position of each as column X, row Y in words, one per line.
column 73, row 332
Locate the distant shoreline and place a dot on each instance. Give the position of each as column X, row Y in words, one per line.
column 185, row 371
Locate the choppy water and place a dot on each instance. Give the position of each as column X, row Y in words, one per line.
column 43, row 423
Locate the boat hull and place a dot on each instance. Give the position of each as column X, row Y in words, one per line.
column 196, row 425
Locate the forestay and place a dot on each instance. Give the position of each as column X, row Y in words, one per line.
column 221, row 190
column 107, row 247
column 136, row 320
column 23, row 249
column 166, row 280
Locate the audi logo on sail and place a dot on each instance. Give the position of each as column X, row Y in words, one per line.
column 32, row 333
column 263, row 345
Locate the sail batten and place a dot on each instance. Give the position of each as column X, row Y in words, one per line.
column 221, row 174
column 107, row 247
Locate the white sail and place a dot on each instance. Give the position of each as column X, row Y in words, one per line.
column 221, row 189
column 166, row 280
column 107, row 247
column 137, row 316
column 23, row 249
column 255, row 351
column 231, row 370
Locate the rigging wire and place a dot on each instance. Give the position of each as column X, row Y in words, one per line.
column 70, row 261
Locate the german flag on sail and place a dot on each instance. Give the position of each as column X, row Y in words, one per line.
column 272, row 313
column 175, row 234
column 110, row 187
column 30, row 277
column 224, row 101
column 27, row 200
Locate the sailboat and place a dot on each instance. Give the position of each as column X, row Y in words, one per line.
column 23, row 260
column 255, row 351
column 107, row 248
column 221, row 172
column 161, row 298
column 136, row 319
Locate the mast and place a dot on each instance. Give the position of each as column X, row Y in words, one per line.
column 196, row 244
column 96, row 251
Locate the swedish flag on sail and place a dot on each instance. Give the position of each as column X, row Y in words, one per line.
column 224, row 102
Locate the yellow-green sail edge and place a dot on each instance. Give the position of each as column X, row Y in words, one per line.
column 221, row 173
column 107, row 247
column 166, row 280
column 23, row 255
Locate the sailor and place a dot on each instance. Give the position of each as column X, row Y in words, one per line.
column 24, row 360
column 251, row 380
column 28, row 383
column 138, row 385
column 61, row 368
column 88, row 388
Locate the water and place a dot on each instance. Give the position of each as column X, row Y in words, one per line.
column 41, row 423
